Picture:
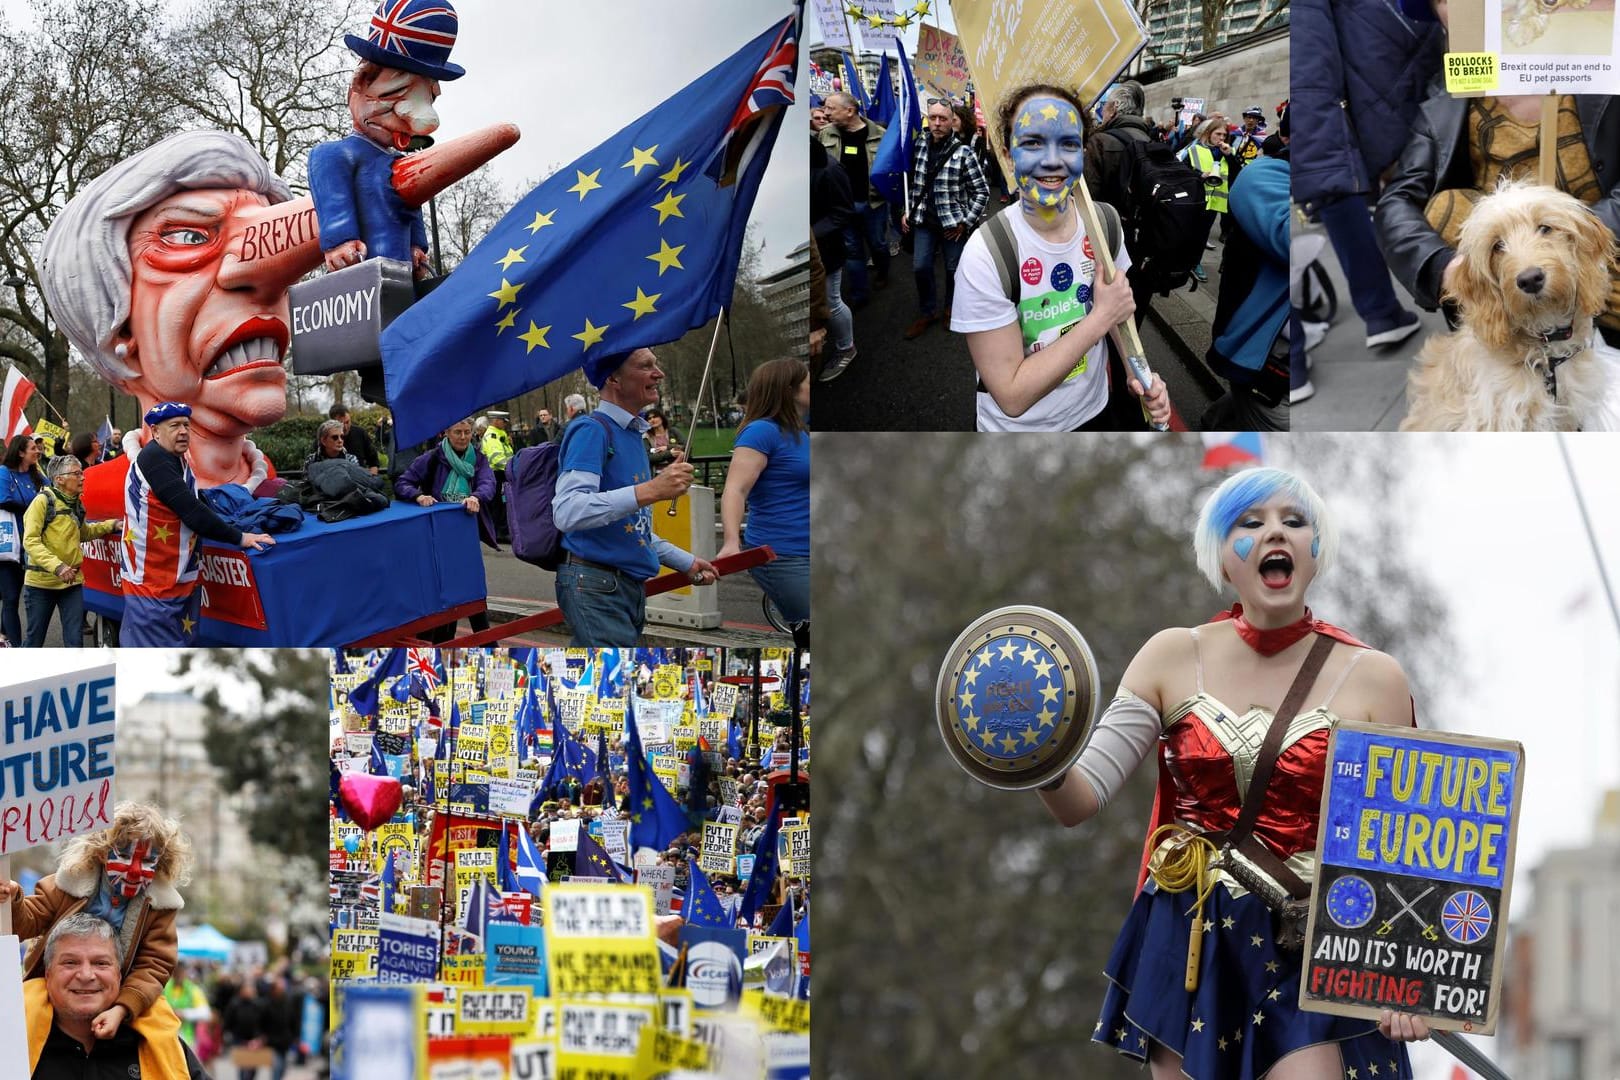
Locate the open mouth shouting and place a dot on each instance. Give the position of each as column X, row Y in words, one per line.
column 258, row 342
column 1277, row 570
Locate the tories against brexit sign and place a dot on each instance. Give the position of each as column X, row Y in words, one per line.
column 56, row 758
column 1414, row 867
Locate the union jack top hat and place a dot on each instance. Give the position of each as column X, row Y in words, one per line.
column 413, row 35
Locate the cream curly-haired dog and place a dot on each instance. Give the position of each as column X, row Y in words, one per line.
column 1534, row 271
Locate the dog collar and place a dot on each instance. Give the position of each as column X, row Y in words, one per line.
column 1553, row 359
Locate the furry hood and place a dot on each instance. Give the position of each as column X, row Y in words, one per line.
column 82, row 878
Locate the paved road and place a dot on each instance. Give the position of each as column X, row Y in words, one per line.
column 927, row 384
column 1358, row 389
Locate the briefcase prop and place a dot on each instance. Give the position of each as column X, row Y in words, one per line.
column 338, row 318
column 1016, row 695
column 1414, row 864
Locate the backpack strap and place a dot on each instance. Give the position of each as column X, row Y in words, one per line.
column 1113, row 230
column 1003, row 251
column 607, row 431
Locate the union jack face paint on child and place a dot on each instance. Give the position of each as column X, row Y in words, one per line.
column 131, row 868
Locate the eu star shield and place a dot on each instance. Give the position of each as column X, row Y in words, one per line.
column 1016, row 696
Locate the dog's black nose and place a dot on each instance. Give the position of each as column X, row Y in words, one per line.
column 1531, row 280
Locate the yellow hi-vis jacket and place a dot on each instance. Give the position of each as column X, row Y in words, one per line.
column 1204, row 160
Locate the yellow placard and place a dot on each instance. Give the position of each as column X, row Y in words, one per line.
column 667, row 682
column 777, row 1012
column 354, row 965
column 600, row 1041
column 663, row 1052
column 600, row 940
column 487, row 1010
column 1470, row 72
column 464, row 970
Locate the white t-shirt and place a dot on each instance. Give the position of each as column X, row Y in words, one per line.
column 1055, row 283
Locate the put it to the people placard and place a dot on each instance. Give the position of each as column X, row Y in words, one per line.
column 1413, row 874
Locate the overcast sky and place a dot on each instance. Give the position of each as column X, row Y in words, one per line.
column 570, row 75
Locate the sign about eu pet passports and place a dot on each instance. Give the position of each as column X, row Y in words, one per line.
column 1414, row 868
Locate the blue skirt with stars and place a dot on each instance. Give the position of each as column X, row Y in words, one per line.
column 1244, row 1017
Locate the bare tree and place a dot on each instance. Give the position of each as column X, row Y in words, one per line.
column 1211, row 15
column 275, row 73
column 81, row 93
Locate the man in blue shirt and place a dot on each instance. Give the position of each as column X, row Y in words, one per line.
column 605, row 486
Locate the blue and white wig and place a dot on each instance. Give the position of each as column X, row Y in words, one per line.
column 1227, row 504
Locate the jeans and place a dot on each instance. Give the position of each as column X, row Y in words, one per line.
column 606, row 610
column 870, row 229
column 840, row 320
column 929, row 239
column 1350, row 228
column 11, row 587
column 786, row 580
column 41, row 602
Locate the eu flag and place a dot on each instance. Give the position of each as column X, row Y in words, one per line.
column 763, row 876
column 703, row 907
column 632, row 245
column 892, row 160
column 883, row 105
column 655, row 818
column 363, row 698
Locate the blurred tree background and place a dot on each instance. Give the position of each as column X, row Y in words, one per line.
column 960, row 931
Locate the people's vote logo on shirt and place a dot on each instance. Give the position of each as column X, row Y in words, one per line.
column 1062, row 276
column 1031, row 271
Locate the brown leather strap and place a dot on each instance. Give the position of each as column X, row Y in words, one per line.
column 1269, row 749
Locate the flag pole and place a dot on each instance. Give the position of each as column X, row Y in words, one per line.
column 1586, row 521
column 703, row 383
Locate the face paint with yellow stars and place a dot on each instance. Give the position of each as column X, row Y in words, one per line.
column 1046, row 151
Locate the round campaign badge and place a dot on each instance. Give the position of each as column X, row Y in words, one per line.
column 1085, row 246
column 1083, row 294
column 1351, row 902
column 1062, row 276
column 1031, row 271
column 1465, row 917
column 1016, row 695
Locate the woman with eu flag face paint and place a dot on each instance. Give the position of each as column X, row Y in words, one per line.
column 1036, row 329
column 1204, row 977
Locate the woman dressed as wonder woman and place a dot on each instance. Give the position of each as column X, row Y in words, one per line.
column 1205, row 973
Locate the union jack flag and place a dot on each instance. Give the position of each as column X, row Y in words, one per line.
column 772, row 87
column 424, row 664
column 510, row 906
column 1466, row 917
column 391, row 27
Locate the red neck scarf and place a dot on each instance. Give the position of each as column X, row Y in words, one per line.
column 1269, row 642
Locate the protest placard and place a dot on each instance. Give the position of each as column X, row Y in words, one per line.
column 13, row 1016
column 663, row 1052
column 1083, row 44
column 565, row 834
column 1414, row 868
column 723, row 700
column 616, row 839
column 940, row 66
column 719, row 848
column 515, row 954
column 407, row 949
column 830, row 17
column 1504, row 47
column 510, row 798
column 599, row 940
column 661, row 879
column 675, row 1011
column 600, row 1041
column 382, row 1032
column 58, row 758
column 794, row 850
column 536, row 1060
column 481, row 1011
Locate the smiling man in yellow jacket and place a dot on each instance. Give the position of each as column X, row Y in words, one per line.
column 82, row 979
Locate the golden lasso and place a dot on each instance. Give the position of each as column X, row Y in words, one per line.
column 1180, row 862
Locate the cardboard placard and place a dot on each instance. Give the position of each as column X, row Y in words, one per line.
column 1413, row 872
column 719, row 852
column 58, row 744
column 1501, row 47
column 599, row 940
column 794, row 850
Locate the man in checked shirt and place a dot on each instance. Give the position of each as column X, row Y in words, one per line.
column 947, row 198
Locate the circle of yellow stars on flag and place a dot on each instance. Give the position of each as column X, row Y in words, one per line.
column 878, row 19
column 535, row 330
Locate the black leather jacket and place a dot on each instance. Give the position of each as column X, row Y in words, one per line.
column 1436, row 158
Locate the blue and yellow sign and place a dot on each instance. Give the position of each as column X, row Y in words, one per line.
column 1415, row 863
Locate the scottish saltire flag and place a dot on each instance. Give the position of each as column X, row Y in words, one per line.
column 363, row 698
column 504, row 873
column 703, row 907
column 700, row 702
column 893, row 157
column 884, row 107
column 655, row 818
column 763, row 876
column 531, row 872
column 1233, row 450
column 853, row 85
column 631, row 245
column 612, row 685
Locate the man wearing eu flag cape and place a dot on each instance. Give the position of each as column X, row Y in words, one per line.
column 630, row 246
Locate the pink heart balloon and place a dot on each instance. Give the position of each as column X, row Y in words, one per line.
column 370, row 800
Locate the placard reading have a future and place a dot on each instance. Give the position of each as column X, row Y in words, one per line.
column 1414, row 867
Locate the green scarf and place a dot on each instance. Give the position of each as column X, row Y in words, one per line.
column 458, row 481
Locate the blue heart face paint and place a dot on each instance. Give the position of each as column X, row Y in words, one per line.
column 1316, row 546
column 1243, row 545
column 1046, row 151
